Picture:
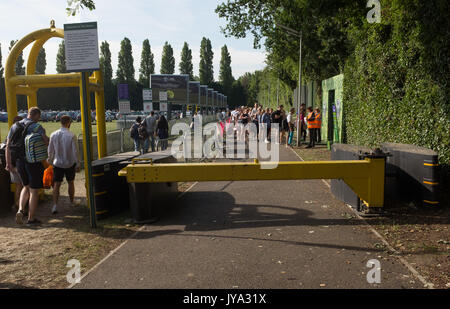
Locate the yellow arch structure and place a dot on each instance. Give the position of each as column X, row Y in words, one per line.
column 30, row 83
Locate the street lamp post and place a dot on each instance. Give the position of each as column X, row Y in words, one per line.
column 278, row 90
column 299, row 99
column 299, row 35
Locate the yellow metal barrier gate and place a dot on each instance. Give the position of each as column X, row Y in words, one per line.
column 365, row 177
column 30, row 83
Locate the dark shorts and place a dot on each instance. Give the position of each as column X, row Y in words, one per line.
column 31, row 174
column 59, row 173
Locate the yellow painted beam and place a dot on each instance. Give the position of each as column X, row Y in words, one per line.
column 39, row 37
column 49, row 79
column 56, row 85
column 32, row 99
column 34, row 53
column 93, row 87
column 11, row 103
column 365, row 177
column 24, row 90
column 23, row 43
column 31, row 65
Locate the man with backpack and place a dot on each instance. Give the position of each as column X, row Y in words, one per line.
column 138, row 133
column 27, row 146
column 14, row 175
column 150, row 124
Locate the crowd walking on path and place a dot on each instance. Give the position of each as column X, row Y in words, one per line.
column 144, row 133
column 277, row 125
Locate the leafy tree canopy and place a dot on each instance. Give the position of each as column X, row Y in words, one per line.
column 74, row 6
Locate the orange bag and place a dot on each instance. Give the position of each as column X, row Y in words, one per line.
column 48, row 177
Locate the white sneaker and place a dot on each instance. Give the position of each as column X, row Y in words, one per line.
column 54, row 211
column 19, row 217
column 266, row 141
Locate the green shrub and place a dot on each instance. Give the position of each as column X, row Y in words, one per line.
column 396, row 83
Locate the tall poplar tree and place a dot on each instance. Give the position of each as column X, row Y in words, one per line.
column 61, row 58
column 167, row 61
column 105, row 66
column 20, row 69
column 186, row 66
column 125, row 67
column 41, row 62
column 225, row 74
column 105, row 63
column 206, row 62
column 147, row 64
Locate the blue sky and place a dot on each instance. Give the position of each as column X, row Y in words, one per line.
column 175, row 21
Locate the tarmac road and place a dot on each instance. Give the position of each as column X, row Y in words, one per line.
column 252, row 235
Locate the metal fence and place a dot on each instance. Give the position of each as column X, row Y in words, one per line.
column 119, row 140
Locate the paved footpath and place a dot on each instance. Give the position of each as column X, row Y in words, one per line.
column 252, row 234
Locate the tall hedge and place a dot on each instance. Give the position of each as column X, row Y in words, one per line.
column 396, row 84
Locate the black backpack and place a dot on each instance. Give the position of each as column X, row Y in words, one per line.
column 17, row 141
column 142, row 130
column 134, row 132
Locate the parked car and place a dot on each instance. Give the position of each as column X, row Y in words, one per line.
column 109, row 117
column 3, row 117
column 46, row 116
column 51, row 115
column 73, row 115
column 59, row 115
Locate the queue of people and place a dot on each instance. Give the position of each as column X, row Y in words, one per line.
column 279, row 123
column 144, row 131
column 29, row 152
